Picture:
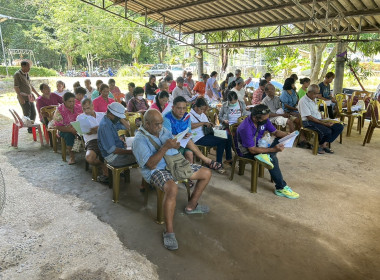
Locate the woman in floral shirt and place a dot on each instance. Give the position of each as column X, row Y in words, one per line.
column 64, row 115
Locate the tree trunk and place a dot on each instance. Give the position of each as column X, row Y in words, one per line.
column 224, row 55
column 70, row 60
column 317, row 62
column 327, row 63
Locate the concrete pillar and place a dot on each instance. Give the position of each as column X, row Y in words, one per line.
column 200, row 63
column 339, row 68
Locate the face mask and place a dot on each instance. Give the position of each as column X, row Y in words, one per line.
column 233, row 105
column 115, row 120
column 140, row 97
column 260, row 123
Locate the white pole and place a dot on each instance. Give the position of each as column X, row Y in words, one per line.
column 2, row 45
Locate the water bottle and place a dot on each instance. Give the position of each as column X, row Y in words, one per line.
column 265, row 142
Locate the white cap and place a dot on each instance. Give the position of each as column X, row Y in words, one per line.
column 117, row 109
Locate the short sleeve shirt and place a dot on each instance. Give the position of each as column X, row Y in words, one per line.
column 196, row 118
column 93, row 121
column 22, row 81
column 200, row 87
column 257, row 96
column 308, row 107
column 181, row 92
column 175, row 125
column 100, row 105
column 290, row 100
column 273, row 103
column 42, row 102
column 324, row 90
column 143, row 149
column 248, row 136
column 63, row 116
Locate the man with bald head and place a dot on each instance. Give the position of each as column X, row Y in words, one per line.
column 153, row 169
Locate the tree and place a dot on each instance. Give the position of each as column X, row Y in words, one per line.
column 316, row 57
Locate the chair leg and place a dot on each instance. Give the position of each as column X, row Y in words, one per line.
column 63, row 148
column 367, row 134
column 261, row 171
column 254, row 177
column 360, row 124
column 127, row 176
column 233, row 168
column 34, row 134
column 316, row 144
column 341, row 138
column 46, row 134
column 41, row 137
column 17, row 129
column 349, row 126
column 86, row 166
column 94, row 173
column 13, row 135
column 241, row 167
column 115, row 185
column 54, row 138
column 146, row 193
column 160, row 206
column 370, row 134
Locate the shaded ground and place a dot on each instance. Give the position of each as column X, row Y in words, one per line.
column 331, row 232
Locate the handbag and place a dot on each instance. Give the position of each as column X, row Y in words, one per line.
column 206, row 130
column 77, row 146
column 177, row 165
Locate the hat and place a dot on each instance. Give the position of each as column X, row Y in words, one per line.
column 117, row 109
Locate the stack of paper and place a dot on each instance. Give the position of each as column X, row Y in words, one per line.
column 289, row 139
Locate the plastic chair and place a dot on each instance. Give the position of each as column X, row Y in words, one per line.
column 352, row 116
column 132, row 117
column 48, row 111
column 212, row 115
column 257, row 169
column 160, row 198
column 375, row 117
column 18, row 123
column 94, row 171
column 321, row 102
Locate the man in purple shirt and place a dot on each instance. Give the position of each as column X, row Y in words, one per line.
column 47, row 98
column 248, row 135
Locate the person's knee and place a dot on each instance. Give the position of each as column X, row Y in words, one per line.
column 90, row 157
column 205, row 173
column 171, row 189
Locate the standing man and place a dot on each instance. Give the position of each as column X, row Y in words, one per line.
column 24, row 90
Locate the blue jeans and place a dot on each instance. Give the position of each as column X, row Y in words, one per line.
column 325, row 134
column 220, row 143
column 275, row 173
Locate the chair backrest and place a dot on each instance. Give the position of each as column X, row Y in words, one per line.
column 362, row 95
column 375, row 116
column 188, row 108
column 132, row 117
column 17, row 118
column 233, row 130
column 212, row 115
column 323, row 103
column 16, row 121
column 49, row 110
column 247, row 100
column 340, row 98
column 241, row 119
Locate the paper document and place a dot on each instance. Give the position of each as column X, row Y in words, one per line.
column 280, row 111
column 78, row 128
column 183, row 142
column 289, row 139
column 193, row 98
column 167, row 109
column 220, row 133
column 180, row 136
column 250, row 106
column 128, row 142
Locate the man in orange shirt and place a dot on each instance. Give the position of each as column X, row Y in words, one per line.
column 200, row 87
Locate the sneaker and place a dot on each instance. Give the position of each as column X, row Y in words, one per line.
column 287, row 192
column 265, row 160
column 103, row 179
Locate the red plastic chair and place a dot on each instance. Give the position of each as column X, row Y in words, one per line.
column 18, row 123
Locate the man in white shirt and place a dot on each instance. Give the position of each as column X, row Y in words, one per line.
column 180, row 90
column 89, row 122
column 311, row 118
column 239, row 88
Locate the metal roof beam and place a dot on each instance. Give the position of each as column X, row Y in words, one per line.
column 248, row 11
column 186, row 5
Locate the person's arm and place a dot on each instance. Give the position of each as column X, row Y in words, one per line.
column 156, row 158
column 93, row 130
column 290, row 107
column 125, row 123
column 120, row 151
column 260, row 150
column 35, row 92
column 67, row 129
column 312, row 119
column 280, row 134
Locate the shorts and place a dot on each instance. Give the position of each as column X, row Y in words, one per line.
column 92, row 145
column 184, row 150
column 279, row 121
column 161, row 176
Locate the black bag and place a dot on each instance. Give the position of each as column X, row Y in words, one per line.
column 206, row 130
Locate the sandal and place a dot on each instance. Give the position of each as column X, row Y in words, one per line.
column 217, row 166
column 191, row 183
column 321, row 151
column 199, row 209
column 328, row 150
column 170, row 242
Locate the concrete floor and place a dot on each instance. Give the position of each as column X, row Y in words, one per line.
column 331, row 232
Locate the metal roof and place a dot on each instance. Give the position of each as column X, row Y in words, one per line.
column 293, row 21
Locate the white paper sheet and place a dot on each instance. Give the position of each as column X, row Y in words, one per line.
column 180, row 136
column 220, row 133
column 289, row 139
column 128, row 142
column 183, row 142
column 280, row 111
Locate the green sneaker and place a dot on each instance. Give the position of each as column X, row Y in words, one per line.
column 287, row 192
column 265, row 160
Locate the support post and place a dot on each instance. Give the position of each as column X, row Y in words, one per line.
column 200, row 63
column 339, row 68
column 2, row 45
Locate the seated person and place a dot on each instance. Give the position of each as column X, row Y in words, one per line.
column 92, row 119
column 325, row 94
column 151, row 88
column 259, row 93
column 138, row 103
column 163, row 86
column 129, row 95
column 200, row 87
column 61, row 88
column 65, row 114
column 47, row 99
column 115, row 91
column 305, row 82
column 96, row 93
column 181, row 90
column 248, row 135
column 113, row 150
column 153, row 169
column 80, row 94
column 101, row 103
column 232, row 110
column 198, row 120
column 238, row 87
column 289, row 97
column 161, row 103
column 89, row 88
column 311, row 118
column 177, row 120
column 172, row 84
column 189, row 81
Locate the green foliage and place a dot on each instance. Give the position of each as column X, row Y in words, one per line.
column 282, row 59
column 135, row 70
column 34, row 71
column 362, row 71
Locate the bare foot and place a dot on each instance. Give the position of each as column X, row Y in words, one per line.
column 71, row 161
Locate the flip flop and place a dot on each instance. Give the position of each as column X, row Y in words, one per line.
column 217, row 166
column 321, row 151
column 328, row 150
column 199, row 209
column 170, row 242
column 72, row 162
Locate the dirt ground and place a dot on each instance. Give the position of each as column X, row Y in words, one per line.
column 330, row 232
